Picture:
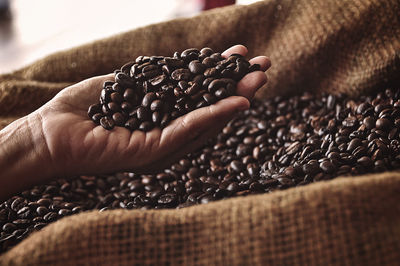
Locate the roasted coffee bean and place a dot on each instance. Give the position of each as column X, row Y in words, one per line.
column 327, row 167
column 94, row 109
column 156, row 118
column 116, row 98
column 119, row 119
column 181, row 74
column 124, row 80
column 196, row 67
column 132, row 123
column 146, row 126
column 107, row 123
column 148, row 99
column 143, row 114
column 156, row 105
column 130, row 96
column 383, row 124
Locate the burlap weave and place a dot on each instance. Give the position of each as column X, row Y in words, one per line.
column 316, row 45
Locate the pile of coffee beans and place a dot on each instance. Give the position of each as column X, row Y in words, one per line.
column 277, row 144
column 154, row 90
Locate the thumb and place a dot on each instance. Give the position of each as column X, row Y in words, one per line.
column 194, row 128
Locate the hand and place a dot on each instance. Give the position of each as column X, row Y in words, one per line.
column 68, row 143
column 81, row 147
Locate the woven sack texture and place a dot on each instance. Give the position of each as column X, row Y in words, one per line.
column 316, row 45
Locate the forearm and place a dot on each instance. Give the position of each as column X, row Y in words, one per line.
column 24, row 157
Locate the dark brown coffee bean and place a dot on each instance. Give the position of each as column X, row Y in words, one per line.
column 96, row 118
column 181, row 74
column 132, row 123
column 168, row 199
column 116, row 98
column 146, row 126
column 9, row 227
column 148, row 99
column 94, row 109
column 209, row 62
column 24, row 212
column 211, row 72
column 113, row 107
column 365, row 161
column 174, row 63
column 42, row 210
column 50, row 216
column 165, row 120
column 354, row 143
column 44, row 202
column 327, row 167
column 210, row 99
column 107, row 123
column 17, row 204
column 156, row 118
column 196, row 67
column 124, row 80
column 369, row 122
column 383, row 124
column 193, row 89
column 130, row 96
column 143, row 114
column 221, row 93
column 158, row 80
column 119, row 119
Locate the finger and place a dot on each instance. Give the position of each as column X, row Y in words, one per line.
column 189, row 128
column 263, row 61
column 236, row 49
column 250, row 83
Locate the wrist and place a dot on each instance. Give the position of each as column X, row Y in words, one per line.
column 24, row 156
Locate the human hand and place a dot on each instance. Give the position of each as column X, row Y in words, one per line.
column 78, row 146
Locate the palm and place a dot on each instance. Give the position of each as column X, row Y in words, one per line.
column 83, row 147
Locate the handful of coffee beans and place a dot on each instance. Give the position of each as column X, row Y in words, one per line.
column 153, row 90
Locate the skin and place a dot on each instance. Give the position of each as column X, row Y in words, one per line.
column 58, row 139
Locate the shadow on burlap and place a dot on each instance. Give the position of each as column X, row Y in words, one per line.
column 316, row 45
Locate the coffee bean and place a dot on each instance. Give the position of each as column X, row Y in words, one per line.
column 181, row 74
column 327, row 167
column 17, row 204
column 148, row 99
column 196, row 67
column 132, row 123
column 107, row 122
column 221, row 93
column 156, row 118
column 119, row 119
column 116, row 97
column 146, row 126
column 124, row 80
column 143, row 114
column 167, row 199
column 369, row 122
column 383, row 124
column 130, row 96
column 94, row 109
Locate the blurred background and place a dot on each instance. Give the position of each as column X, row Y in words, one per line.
column 31, row 29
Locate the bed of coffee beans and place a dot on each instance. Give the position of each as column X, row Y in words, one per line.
column 277, row 144
column 153, row 90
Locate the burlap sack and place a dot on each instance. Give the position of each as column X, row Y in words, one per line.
column 316, row 45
